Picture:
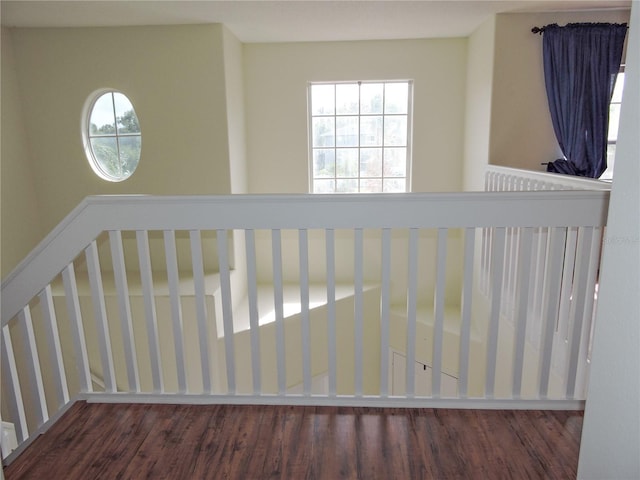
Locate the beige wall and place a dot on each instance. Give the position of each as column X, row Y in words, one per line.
column 276, row 104
column 234, row 89
column 478, row 112
column 20, row 228
column 173, row 75
column 521, row 131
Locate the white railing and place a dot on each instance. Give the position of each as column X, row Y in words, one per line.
column 577, row 293
column 296, row 299
column 502, row 179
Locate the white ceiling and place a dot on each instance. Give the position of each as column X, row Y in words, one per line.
column 289, row 20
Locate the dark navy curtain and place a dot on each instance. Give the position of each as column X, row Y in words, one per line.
column 581, row 61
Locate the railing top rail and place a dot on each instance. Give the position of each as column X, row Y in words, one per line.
column 417, row 210
column 569, row 181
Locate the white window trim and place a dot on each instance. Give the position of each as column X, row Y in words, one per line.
column 85, row 121
column 409, row 169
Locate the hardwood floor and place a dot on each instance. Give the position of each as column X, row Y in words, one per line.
column 109, row 441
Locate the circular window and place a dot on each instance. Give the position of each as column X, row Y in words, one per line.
column 111, row 135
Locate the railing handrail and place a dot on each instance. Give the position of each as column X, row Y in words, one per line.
column 574, row 182
column 96, row 214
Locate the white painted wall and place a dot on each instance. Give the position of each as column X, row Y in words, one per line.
column 276, row 104
column 19, row 216
column 611, row 428
column 276, row 79
column 521, row 131
column 478, row 112
column 236, row 128
column 173, row 75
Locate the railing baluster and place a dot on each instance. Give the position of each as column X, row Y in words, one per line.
column 55, row 350
column 13, row 395
column 541, row 254
column 585, row 236
column 276, row 252
column 124, row 306
column 587, row 314
column 197, row 266
column 303, row 247
column 176, row 309
column 596, row 248
column 465, row 322
column 151, row 319
column 509, row 262
column 358, row 281
column 438, row 311
column 331, row 310
column 227, row 313
column 497, row 264
column 77, row 328
column 522, row 303
column 254, row 318
column 100, row 315
column 566, row 288
column 33, row 364
column 385, row 309
column 412, row 298
column 484, row 261
column 551, row 299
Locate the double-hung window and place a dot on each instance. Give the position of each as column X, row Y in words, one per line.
column 360, row 136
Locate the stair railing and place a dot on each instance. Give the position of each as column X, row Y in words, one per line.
column 148, row 292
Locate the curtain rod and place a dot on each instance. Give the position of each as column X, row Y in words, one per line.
column 541, row 30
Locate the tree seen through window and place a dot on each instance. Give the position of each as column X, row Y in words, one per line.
column 114, row 137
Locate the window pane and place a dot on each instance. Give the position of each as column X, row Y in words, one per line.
column 370, row 185
column 371, row 98
column 324, row 186
column 394, row 185
column 347, row 162
column 126, row 118
column 395, row 130
column 324, row 164
column 347, row 185
column 611, row 155
column 371, row 162
column 105, row 150
column 129, row 153
column 617, row 89
column 347, row 131
column 396, row 97
column 395, row 162
column 347, row 101
column 614, row 121
column 323, row 132
column 371, row 131
column 359, row 136
column 102, row 120
column 322, row 100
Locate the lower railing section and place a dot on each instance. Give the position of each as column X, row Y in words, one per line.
column 340, row 300
column 573, row 300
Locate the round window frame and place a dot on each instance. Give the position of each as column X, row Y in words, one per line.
column 87, row 110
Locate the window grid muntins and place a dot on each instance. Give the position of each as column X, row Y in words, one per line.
column 113, row 136
column 116, row 135
column 359, row 137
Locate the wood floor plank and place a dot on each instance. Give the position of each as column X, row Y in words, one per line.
column 106, row 441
